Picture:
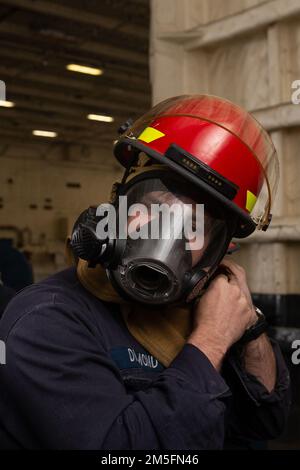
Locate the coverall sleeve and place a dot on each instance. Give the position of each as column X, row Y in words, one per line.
column 71, row 394
column 256, row 413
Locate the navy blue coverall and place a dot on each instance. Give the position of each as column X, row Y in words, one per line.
column 75, row 378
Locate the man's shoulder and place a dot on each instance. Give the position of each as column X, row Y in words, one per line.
column 61, row 292
column 60, row 286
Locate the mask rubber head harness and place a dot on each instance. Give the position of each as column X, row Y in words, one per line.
column 187, row 150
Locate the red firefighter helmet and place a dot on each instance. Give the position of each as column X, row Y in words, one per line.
column 214, row 144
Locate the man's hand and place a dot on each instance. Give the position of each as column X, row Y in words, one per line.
column 258, row 355
column 223, row 314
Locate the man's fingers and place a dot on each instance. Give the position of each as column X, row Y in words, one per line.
column 238, row 276
column 231, row 274
column 219, row 278
column 228, row 277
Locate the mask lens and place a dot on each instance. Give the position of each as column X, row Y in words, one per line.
column 158, row 260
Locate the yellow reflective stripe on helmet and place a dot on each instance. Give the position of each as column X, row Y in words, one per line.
column 251, row 200
column 150, row 134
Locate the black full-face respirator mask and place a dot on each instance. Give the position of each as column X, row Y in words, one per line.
column 160, row 242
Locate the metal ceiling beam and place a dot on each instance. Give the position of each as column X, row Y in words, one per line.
column 54, row 121
column 64, row 80
column 101, row 49
column 12, row 137
column 127, row 79
column 24, row 102
column 32, row 62
column 76, row 14
column 96, row 103
column 25, row 132
column 22, row 123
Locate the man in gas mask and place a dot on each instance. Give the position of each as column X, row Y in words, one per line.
column 153, row 342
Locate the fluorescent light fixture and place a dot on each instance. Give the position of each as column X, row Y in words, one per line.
column 100, row 117
column 7, row 104
column 40, row 133
column 84, row 69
